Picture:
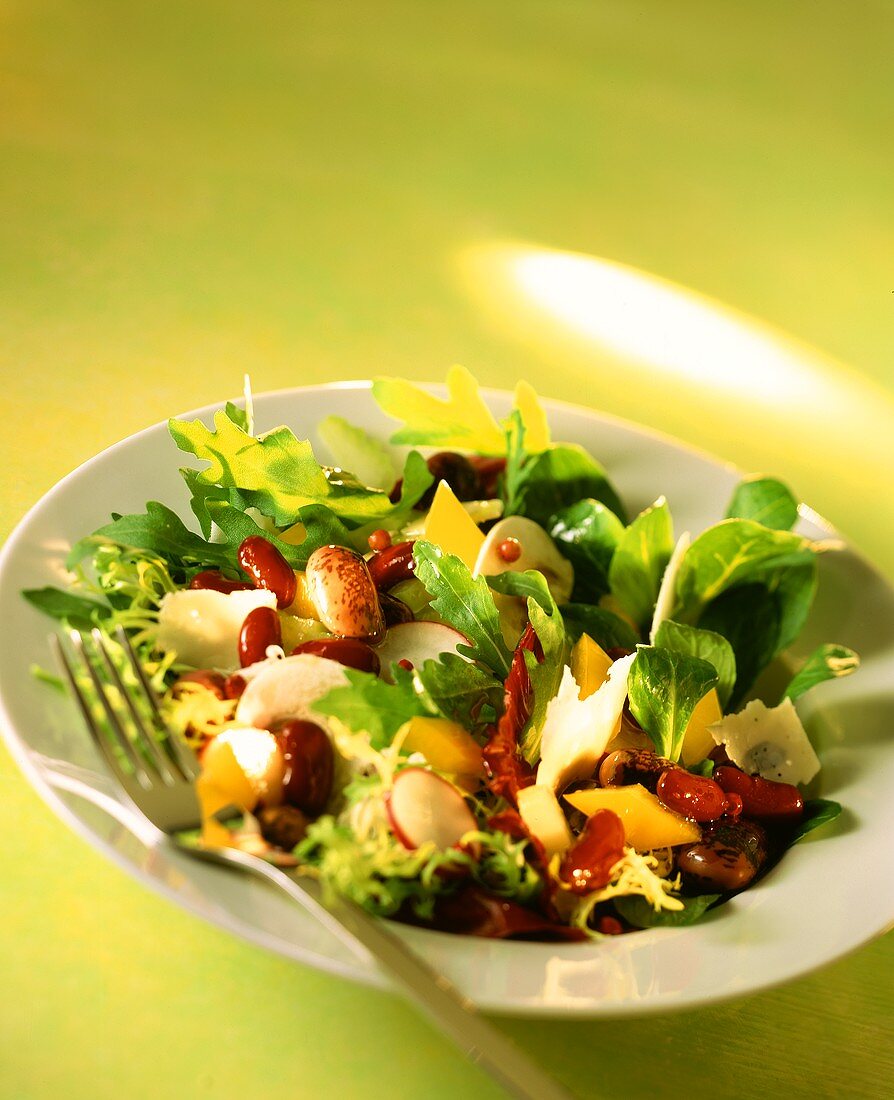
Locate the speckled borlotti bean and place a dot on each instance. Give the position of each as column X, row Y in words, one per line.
column 341, row 588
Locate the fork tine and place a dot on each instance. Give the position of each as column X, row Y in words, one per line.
column 101, row 742
column 180, row 754
column 161, row 760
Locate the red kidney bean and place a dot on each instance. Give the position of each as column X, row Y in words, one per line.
column 268, row 568
column 390, row 567
column 488, row 470
column 260, row 629
column 588, row 863
column 727, row 857
column 733, row 809
column 615, row 653
column 609, row 926
column 625, row 767
column 309, row 760
column 693, row 796
column 212, row 681
column 764, row 799
column 234, row 686
column 214, row 580
column 350, row 652
column 394, row 610
column 284, row 826
column 406, row 665
column 379, row 540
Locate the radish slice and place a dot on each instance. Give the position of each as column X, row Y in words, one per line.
column 423, row 807
column 417, row 642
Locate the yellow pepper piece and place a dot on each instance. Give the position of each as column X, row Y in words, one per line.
column 589, row 665
column 447, row 747
column 647, row 824
column 697, row 740
column 450, row 526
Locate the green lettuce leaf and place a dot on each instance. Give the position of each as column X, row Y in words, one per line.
column 664, row 688
column 605, row 627
column 640, row 559
column 354, row 449
column 370, row 705
column 764, row 500
column 827, row 662
column 711, row 647
column 236, row 526
column 464, row 603
column 587, row 534
column 462, row 692
column 638, row 912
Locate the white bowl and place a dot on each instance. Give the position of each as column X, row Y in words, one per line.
column 828, row 896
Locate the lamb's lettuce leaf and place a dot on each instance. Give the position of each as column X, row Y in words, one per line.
column 711, row 647
column 817, row 812
column 77, row 611
column 637, row 566
column 547, row 482
column 587, row 534
column 664, row 688
column 764, row 500
column 606, row 628
column 465, row 603
column 637, row 911
column 827, row 662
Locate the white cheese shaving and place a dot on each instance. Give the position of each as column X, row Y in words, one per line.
column 768, row 741
column 576, row 731
column 202, row 626
column 664, row 605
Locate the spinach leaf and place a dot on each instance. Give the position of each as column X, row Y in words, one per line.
column 664, row 688
column 370, row 705
column 817, row 812
column 465, row 603
column 78, row 611
column 462, row 691
column 587, row 534
column 732, row 553
column 159, row 530
column 561, row 475
column 638, row 564
column 827, row 662
column 764, row 500
column 638, row 912
column 711, row 647
column 606, row 628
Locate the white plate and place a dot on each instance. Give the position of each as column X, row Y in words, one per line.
column 828, row 895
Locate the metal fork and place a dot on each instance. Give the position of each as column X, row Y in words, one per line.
column 156, row 771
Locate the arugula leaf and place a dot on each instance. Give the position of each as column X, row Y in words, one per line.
column 67, row 607
column 587, row 534
column 462, row 420
column 159, row 530
column 462, row 691
column 711, row 647
column 464, row 603
column 606, row 628
column 276, row 472
column 370, row 705
column 827, row 662
column 545, row 675
column 240, row 417
column 764, row 500
column 637, row 566
column 638, row 912
column 354, row 449
column 817, row 812
column 415, row 480
column 732, row 553
column 664, row 688
column 528, row 585
column 561, row 475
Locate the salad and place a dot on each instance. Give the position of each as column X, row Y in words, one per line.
column 451, row 677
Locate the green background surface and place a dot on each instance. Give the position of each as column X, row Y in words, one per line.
column 190, row 191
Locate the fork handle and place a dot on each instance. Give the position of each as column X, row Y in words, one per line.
column 454, row 1015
